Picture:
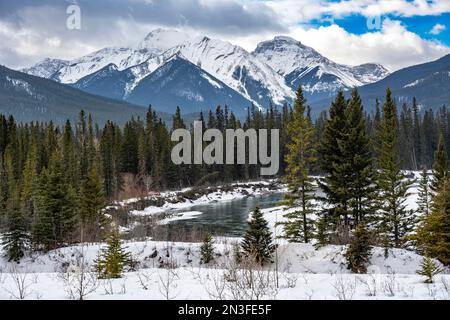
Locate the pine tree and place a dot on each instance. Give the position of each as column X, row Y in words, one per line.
column 428, row 269
column 322, row 236
column 113, row 259
column 396, row 221
column 333, row 163
column 16, row 238
column 257, row 243
column 91, row 202
column 358, row 166
column 207, row 249
column 359, row 250
column 69, row 156
column 424, row 201
column 441, row 166
column 30, row 185
column 300, row 157
column 433, row 235
column 56, row 220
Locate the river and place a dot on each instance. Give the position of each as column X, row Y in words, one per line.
column 225, row 218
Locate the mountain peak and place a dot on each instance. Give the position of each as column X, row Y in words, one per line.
column 285, row 39
column 163, row 39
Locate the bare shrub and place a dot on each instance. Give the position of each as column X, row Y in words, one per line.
column 432, row 291
column 290, row 279
column 445, row 286
column 371, row 285
column 131, row 187
column 309, row 294
column 216, row 285
column 78, row 279
column 244, row 280
column 21, row 284
column 340, row 236
column 167, row 283
column 144, row 279
column 344, row 289
column 390, row 285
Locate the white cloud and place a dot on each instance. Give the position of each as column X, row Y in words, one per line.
column 405, row 8
column 393, row 46
column 437, row 29
column 242, row 22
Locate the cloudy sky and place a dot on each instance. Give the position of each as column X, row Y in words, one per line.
column 395, row 33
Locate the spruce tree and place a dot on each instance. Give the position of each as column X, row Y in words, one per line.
column 359, row 250
column 207, row 249
column 333, row 163
column 424, row 201
column 428, row 269
column 299, row 159
column 91, row 202
column 56, row 221
column 358, row 166
column 113, row 259
column 16, row 238
column 30, row 185
column 441, row 166
column 433, row 235
column 395, row 220
column 257, row 243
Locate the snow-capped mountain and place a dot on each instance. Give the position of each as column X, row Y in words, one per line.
column 181, row 83
column 319, row 76
column 251, row 77
column 270, row 74
column 46, row 68
column 177, row 82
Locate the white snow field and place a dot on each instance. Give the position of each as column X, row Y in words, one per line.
column 172, row 270
column 169, row 270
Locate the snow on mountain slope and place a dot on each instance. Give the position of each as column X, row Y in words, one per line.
column 46, row 68
column 271, row 73
column 179, row 82
column 161, row 40
column 238, row 69
column 121, row 57
column 302, row 65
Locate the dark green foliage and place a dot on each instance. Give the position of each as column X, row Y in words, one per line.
column 359, row 250
column 207, row 249
column 113, row 259
column 300, row 158
column 433, row 235
column 424, row 201
column 61, row 200
column 428, row 269
column 16, row 238
column 56, row 220
column 258, row 243
column 395, row 220
column 346, row 159
column 91, row 202
column 441, row 166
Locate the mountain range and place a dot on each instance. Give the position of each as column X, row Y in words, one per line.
column 233, row 76
column 169, row 68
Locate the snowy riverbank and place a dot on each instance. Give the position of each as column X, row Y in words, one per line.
column 303, row 273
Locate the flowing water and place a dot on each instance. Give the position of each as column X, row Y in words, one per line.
column 225, row 218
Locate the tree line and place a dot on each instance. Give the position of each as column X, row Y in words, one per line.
column 364, row 191
column 55, row 181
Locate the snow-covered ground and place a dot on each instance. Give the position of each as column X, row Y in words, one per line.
column 173, row 269
column 303, row 273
